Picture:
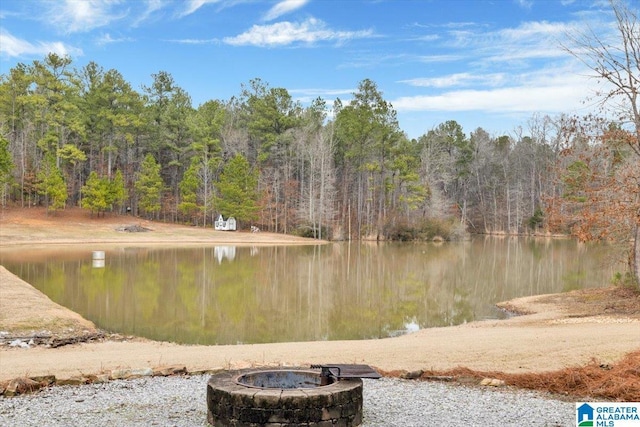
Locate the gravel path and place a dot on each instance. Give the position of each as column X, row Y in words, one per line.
column 181, row 402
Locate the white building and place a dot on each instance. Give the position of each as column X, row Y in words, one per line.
column 221, row 224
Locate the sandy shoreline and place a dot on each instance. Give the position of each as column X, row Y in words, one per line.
column 560, row 333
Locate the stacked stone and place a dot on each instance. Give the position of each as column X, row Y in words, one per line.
column 18, row 386
column 232, row 404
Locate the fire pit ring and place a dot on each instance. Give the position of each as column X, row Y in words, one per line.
column 275, row 397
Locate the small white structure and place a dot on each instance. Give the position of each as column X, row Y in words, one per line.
column 228, row 225
column 98, row 259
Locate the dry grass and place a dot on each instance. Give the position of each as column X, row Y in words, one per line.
column 620, row 382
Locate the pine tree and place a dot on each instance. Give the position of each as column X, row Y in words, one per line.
column 117, row 190
column 189, row 186
column 95, row 193
column 51, row 185
column 149, row 186
column 101, row 194
column 6, row 167
column 237, row 194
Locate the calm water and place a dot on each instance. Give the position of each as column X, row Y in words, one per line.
column 229, row 295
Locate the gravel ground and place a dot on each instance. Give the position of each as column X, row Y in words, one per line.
column 181, row 402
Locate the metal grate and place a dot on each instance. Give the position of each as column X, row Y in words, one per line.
column 347, row 371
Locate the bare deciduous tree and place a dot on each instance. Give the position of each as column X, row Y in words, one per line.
column 616, row 63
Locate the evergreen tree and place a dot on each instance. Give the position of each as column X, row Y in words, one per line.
column 117, row 190
column 51, row 185
column 368, row 135
column 205, row 126
column 237, row 194
column 149, row 186
column 101, row 194
column 189, row 186
column 6, row 167
column 96, row 193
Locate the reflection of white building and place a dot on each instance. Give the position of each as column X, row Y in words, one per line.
column 228, row 225
column 98, row 259
column 222, row 252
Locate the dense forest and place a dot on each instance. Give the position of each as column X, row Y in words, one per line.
column 85, row 137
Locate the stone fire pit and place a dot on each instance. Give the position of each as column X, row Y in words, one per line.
column 277, row 397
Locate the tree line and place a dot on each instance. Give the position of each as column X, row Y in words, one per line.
column 84, row 137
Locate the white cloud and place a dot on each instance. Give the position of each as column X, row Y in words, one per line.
column 427, row 38
column 552, row 89
column 106, row 39
column 194, row 41
column 72, row 16
column 441, row 58
column 284, row 7
column 530, row 40
column 534, row 30
column 525, row 4
column 151, row 7
column 284, row 33
column 193, row 5
column 372, row 59
column 551, row 94
column 14, row 47
column 322, row 92
column 307, row 96
column 507, row 72
column 458, row 79
column 552, row 99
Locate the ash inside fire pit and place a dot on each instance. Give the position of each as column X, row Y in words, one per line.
column 282, row 379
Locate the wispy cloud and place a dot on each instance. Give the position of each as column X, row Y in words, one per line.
column 372, row 59
column 285, row 33
column 458, row 80
column 193, row 5
column 70, row 16
column 12, row 46
column 521, row 99
column 525, row 4
column 194, row 41
column 427, row 38
column 152, row 6
column 284, row 7
column 512, row 71
column 451, row 57
column 106, row 39
column 509, row 71
column 306, row 96
column 530, row 40
column 555, row 90
column 315, row 92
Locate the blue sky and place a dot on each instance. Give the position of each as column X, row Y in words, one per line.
column 490, row 64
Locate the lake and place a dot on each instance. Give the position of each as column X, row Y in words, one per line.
column 231, row 295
